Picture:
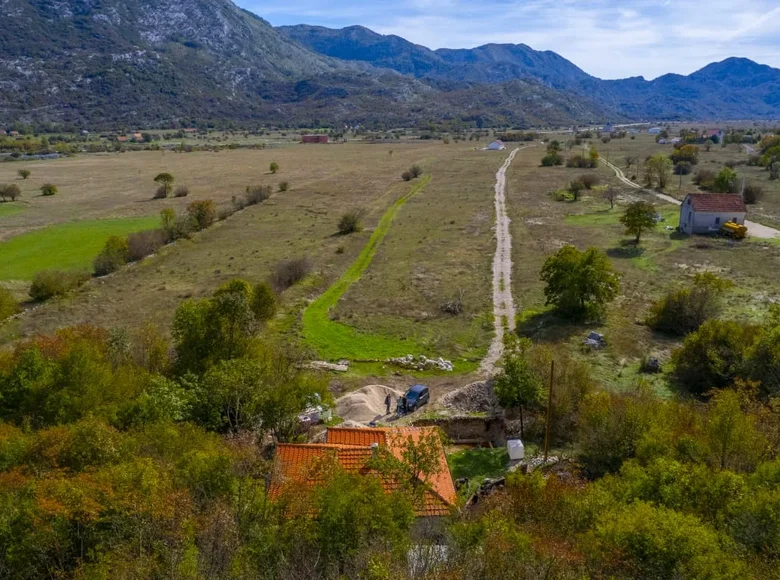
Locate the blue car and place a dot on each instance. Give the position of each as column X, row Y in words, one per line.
column 416, row 397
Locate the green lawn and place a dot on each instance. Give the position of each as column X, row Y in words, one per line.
column 9, row 208
column 334, row 340
column 478, row 464
column 69, row 246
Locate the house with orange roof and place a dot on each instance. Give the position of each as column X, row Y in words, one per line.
column 353, row 450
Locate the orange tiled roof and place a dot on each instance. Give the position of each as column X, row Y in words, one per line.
column 717, row 202
column 351, row 449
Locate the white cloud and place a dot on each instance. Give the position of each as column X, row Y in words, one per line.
column 605, row 38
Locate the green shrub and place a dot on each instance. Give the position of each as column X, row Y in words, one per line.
column 165, row 181
column 284, row 186
column 114, row 255
column 683, row 311
column 264, row 302
column 350, row 222
column 8, row 304
column 48, row 189
column 552, row 159
column 50, row 283
column 274, row 167
column 202, row 213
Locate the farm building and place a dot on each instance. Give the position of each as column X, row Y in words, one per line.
column 314, row 139
column 705, row 213
column 497, row 145
column 352, row 450
column 654, row 130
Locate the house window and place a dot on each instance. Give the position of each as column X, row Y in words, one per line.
column 717, row 221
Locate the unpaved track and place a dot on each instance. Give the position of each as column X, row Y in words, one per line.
column 503, row 303
column 754, row 230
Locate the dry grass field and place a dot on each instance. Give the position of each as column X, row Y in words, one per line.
column 663, row 260
column 439, row 247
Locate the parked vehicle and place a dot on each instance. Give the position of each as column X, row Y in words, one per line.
column 416, row 397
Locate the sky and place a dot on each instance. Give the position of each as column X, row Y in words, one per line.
column 607, row 39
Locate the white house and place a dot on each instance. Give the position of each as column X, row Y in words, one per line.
column 497, row 145
column 654, row 130
column 705, row 213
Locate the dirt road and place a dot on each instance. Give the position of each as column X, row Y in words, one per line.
column 503, row 303
column 754, row 230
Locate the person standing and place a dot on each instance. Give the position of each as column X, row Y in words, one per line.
column 388, row 403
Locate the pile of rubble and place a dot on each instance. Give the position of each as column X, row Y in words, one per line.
column 474, row 398
column 422, row 363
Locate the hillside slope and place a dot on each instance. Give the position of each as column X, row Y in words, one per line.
column 148, row 62
column 733, row 89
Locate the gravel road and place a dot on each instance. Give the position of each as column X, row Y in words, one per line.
column 503, row 303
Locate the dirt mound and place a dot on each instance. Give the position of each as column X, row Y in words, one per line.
column 366, row 404
column 474, row 398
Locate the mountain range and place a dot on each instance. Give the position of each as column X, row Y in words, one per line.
column 155, row 62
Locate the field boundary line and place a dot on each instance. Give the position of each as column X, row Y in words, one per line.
column 316, row 315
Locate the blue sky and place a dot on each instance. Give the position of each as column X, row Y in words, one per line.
column 606, row 39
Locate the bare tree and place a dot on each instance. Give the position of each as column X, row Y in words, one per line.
column 630, row 160
column 610, row 195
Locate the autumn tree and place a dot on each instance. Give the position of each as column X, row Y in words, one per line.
column 638, row 217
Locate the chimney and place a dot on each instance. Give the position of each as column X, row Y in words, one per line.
column 374, row 449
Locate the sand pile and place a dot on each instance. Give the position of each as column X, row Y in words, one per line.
column 366, row 404
column 474, row 398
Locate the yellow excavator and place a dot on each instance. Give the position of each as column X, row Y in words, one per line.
column 734, row 230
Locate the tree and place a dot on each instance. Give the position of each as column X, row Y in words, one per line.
column 579, row 284
column 203, row 213
column 48, row 189
column 611, row 196
column 708, row 145
column 638, row 217
column 274, row 167
column 350, row 222
column 10, row 192
column 689, row 153
column 8, row 304
column 24, row 173
column 630, row 160
column 165, row 181
column 264, row 302
column 713, row 356
column 517, row 386
column 657, row 170
column 552, row 159
column 114, row 255
column 575, row 188
column 416, row 171
column 724, row 180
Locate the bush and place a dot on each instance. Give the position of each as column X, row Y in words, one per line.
column 552, row 159
column 264, row 302
column 406, row 176
column 48, row 189
column 146, row 243
column 589, row 180
column 713, row 356
column 683, row 311
column 350, row 222
column 113, row 256
column 161, row 193
column 274, row 167
column 704, row 178
column 182, row 191
column 284, row 186
column 202, row 213
column 416, row 171
column 288, row 273
column 50, row 283
column 575, row 188
column 165, row 181
column 257, row 194
column 582, row 162
column 24, row 173
column 683, row 168
column 8, row 305
column 752, row 193
column 10, row 192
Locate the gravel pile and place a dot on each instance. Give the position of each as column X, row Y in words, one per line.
column 474, row 398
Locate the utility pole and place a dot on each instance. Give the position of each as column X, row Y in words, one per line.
column 549, row 412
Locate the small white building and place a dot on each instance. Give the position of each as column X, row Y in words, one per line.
column 705, row 213
column 497, row 145
column 654, row 130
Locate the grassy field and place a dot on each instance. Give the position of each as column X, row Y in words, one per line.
column 663, row 260
column 69, row 246
column 333, row 340
column 10, row 208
